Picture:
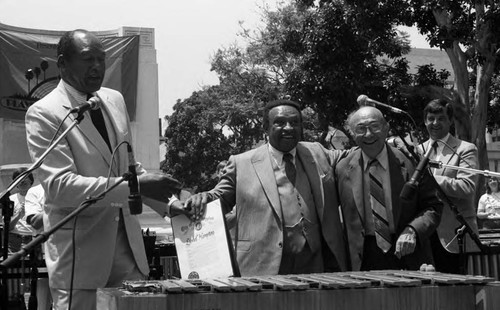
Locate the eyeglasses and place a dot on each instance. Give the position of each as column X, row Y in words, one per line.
column 374, row 128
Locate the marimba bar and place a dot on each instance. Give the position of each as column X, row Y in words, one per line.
column 387, row 289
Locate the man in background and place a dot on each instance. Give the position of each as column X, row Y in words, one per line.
column 35, row 203
column 459, row 186
column 20, row 232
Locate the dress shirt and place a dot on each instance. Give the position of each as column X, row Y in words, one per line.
column 277, row 156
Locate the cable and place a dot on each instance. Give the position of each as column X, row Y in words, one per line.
column 73, row 235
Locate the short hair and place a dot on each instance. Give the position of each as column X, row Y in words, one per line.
column 487, row 186
column 66, row 45
column 439, row 106
column 276, row 103
column 18, row 171
column 348, row 123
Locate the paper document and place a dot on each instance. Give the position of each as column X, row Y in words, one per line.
column 202, row 247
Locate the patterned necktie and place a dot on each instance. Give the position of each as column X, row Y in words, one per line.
column 100, row 125
column 379, row 210
column 290, row 171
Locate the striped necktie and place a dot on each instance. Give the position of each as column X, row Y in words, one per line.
column 379, row 210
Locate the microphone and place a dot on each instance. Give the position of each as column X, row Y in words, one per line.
column 91, row 104
column 410, row 187
column 134, row 198
column 363, row 100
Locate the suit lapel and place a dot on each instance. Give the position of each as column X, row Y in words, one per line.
column 396, row 172
column 356, row 169
column 118, row 130
column 261, row 162
column 449, row 150
column 86, row 127
column 314, row 175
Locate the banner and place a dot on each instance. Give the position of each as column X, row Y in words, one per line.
column 28, row 69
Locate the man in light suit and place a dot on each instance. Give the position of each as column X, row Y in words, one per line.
column 287, row 218
column 458, row 185
column 383, row 230
column 108, row 240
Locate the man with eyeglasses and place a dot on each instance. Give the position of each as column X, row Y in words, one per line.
column 458, row 185
column 383, row 230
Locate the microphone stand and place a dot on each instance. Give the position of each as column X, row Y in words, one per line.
column 42, row 237
column 486, row 173
column 465, row 227
column 6, row 205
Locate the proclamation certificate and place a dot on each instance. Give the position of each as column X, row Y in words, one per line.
column 202, row 247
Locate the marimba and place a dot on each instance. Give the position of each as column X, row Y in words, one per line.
column 487, row 262
column 386, row 289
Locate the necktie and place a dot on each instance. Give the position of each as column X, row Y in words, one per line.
column 100, row 125
column 379, row 210
column 434, row 155
column 290, row 171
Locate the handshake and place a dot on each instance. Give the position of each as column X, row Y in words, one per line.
column 164, row 188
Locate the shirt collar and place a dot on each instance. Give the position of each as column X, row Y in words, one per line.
column 381, row 157
column 78, row 95
column 278, row 155
column 441, row 142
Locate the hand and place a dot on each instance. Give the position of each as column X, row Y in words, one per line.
column 35, row 220
column 406, row 243
column 195, row 206
column 158, row 186
column 177, row 208
column 19, row 213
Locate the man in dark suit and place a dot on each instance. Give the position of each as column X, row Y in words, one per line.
column 458, row 185
column 383, row 230
column 287, row 217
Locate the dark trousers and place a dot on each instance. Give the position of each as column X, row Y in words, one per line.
column 375, row 259
column 445, row 261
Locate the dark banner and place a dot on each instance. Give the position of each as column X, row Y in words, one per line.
column 28, row 69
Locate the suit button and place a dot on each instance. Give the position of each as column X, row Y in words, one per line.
column 117, row 218
column 280, row 245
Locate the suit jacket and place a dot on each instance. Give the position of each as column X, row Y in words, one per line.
column 422, row 213
column 249, row 183
column 460, row 187
column 75, row 169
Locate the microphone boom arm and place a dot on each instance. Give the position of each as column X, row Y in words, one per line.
column 486, row 173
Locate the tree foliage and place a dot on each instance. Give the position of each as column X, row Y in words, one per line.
column 322, row 54
column 469, row 32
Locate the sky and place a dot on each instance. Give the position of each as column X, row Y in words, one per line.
column 187, row 32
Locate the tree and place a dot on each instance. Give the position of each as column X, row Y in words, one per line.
column 337, row 47
column 29, row 76
column 195, row 141
column 322, row 55
column 469, row 32
column 219, row 120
